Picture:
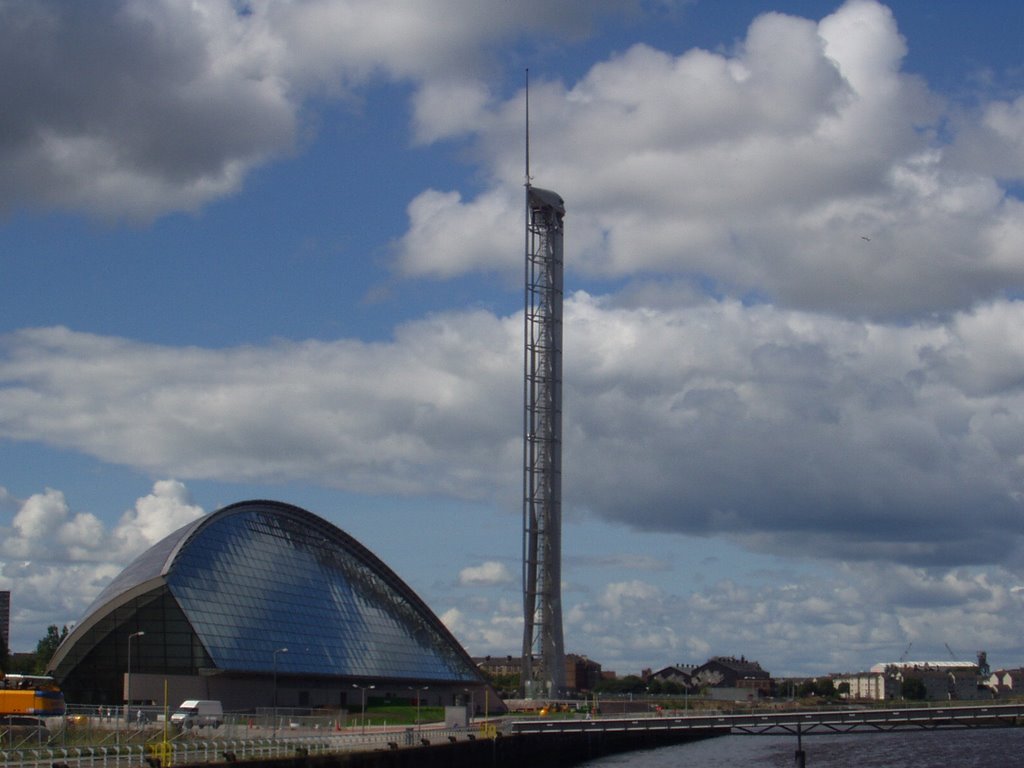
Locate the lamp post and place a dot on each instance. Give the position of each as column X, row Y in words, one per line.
column 424, row 688
column 364, row 689
column 276, row 651
column 128, row 683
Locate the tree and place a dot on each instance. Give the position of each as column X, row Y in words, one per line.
column 47, row 646
column 658, row 687
column 817, row 687
column 505, row 685
column 622, row 685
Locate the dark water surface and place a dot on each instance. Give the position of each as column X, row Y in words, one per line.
column 960, row 748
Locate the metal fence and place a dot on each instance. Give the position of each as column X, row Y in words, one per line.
column 234, row 741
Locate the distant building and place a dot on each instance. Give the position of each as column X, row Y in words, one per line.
column 581, row 674
column 5, row 620
column 1006, row 682
column 868, row 686
column 499, row 665
column 680, row 674
column 942, row 680
column 730, row 679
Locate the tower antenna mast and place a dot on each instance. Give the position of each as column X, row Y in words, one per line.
column 527, row 128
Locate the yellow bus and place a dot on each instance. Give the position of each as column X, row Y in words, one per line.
column 31, row 695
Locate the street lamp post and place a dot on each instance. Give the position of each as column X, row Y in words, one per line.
column 424, row 688
column 364, row 689
column 276, row 651
column 128, row 682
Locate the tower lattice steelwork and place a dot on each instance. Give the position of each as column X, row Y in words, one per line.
column 543, row 670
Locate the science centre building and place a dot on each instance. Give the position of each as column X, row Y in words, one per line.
column 262, row 604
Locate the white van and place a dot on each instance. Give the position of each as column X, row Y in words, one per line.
column 197, row 712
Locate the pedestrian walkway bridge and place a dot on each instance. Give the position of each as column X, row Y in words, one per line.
column 796, row 722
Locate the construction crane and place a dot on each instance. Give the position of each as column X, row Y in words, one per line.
column 906, row 651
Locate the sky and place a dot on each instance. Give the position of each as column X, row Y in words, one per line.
column 274, row 249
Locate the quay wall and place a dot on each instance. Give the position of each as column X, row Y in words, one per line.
column 547, row 750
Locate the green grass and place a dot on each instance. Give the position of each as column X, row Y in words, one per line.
column 397, row 715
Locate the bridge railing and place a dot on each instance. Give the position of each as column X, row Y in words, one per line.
column 816, row 721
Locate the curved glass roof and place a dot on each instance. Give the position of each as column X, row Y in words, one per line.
column 149, row 565
column 258, row 577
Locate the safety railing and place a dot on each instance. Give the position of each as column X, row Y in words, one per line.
column 158, row 753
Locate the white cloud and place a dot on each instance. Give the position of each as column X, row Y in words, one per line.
column 883, row 427
column 838, row 617
column 814, row 178
column 880, row 435
column 804, row 167
column 492, row 628
column 990, row 140
column 155, row 516
column 453, row 620
column 840, row 620
column 132, row 108
column 489, row 234
column 366, row 414
column 39, row 516
column 55, row 561
column 489, row 573
column 44, row 529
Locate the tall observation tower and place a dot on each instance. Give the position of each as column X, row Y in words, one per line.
column 543, row 670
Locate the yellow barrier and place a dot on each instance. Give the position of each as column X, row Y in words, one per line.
column 160, row 751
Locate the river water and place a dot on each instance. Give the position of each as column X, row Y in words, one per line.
column 960, row 748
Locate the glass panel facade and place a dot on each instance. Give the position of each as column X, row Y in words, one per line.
column 227, row 591
column 93, row 668
column 255, row 580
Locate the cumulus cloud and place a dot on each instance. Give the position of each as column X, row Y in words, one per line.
column 805, row 626
column 489, row 573
column 429, row 250
column 845, row 617
column 135, row 108
column 859, row 441
column 154, row 516
column 492, row 629
column 370, row 417
column 44, row 529
column 56, row 561
column 801, row 177
column 795, row 622
column 774, row 428
column 803, row 167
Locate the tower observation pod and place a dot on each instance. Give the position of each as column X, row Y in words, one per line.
column 543, row 666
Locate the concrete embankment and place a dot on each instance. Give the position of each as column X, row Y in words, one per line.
column 554, row 750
